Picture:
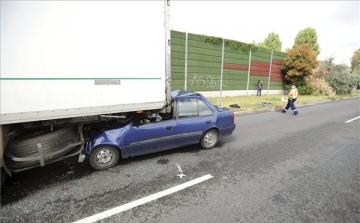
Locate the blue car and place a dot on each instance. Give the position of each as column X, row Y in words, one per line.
column 193, row 120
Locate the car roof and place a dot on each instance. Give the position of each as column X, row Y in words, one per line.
column 181, row 93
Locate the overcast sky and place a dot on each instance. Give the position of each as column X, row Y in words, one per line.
column 337, row 23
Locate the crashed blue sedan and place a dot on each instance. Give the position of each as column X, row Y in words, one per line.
column 193, row 120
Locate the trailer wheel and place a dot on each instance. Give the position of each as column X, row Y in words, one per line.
column 25, row 145
column 104, row 157
column 3, row 176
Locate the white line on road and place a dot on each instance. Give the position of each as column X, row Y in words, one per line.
column 352, row 119
column 143, row 200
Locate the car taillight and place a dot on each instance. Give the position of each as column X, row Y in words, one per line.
column 233, row 117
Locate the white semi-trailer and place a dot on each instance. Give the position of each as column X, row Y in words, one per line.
column 69, row 68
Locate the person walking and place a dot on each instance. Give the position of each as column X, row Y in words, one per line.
column 292, row 96
column 259, row 88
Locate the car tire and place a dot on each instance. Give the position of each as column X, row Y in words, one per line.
column 25, row 145
column 209, row 139
column 104, row 157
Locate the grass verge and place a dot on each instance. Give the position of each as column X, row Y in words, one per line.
column 254, row 102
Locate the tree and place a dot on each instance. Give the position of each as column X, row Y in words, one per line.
column 309, row 36
column 298, row 64
column 272, row 41
column 355, row 62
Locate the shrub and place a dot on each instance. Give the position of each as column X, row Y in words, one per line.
column 319, row 85
column 316, row 93
column 305, row 89
column 332, row 78
column 343, row 83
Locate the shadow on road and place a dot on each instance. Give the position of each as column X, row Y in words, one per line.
column 23, row 184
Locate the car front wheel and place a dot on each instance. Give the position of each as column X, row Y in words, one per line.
column 104, row 157
column 209, row 139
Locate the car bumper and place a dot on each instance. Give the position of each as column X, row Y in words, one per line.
column 227, row 130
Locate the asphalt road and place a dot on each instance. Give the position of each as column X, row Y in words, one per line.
column 274, row 168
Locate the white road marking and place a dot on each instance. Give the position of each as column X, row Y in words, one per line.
column 352, row 119
column 143, row 200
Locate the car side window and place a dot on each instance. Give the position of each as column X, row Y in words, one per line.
column 204, row 109
column 193, row 107
column 187, row 108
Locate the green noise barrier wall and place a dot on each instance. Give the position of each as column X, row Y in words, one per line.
column 200, row 65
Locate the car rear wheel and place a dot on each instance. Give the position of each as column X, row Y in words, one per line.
column 209, row 139
column 104, row 157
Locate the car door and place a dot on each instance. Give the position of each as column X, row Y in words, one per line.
column 194, row 117
column 151, row 137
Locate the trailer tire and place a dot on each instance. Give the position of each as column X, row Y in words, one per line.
column 3, row 176
column 25, row 145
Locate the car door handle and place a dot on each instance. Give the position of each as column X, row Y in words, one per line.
column 168, row 127
column 208, row 121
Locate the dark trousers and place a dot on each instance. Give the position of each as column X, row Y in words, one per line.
column 291, row 103
column 258, row 92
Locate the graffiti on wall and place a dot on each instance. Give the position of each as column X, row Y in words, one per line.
column 207, row 81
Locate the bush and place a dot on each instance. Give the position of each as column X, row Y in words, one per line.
column 320, row 86
column 343, row 83
column 331, row 79
column 316, row 93
column 305, row 89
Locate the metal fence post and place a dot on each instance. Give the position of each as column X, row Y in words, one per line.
column 186, row 54
column 248, row 80
column 186, row 48
column 272, row 51
column 222, row 66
